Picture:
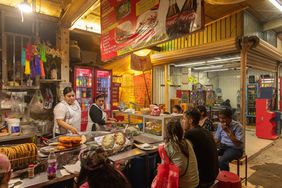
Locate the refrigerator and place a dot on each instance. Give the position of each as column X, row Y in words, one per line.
column 102, row 85
column 88, row 82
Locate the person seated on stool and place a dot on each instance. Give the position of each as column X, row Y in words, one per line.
column 230, row 136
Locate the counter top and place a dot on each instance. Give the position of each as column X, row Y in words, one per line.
column 15, row 137
column 127, row 155
column 41, row 180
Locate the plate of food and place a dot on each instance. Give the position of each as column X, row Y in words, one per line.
column 123, row 32
column 147, row 147
column 113, row 142
column 64, row 143
column 147, row 21
column 123, row 9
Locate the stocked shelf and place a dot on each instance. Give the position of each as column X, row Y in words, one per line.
column 20, row 88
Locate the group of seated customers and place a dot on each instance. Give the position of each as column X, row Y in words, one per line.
column 189, row 144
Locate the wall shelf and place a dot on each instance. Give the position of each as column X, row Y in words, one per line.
column 20, row 88
column 47, row 81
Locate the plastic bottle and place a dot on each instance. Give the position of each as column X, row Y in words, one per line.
column 52, row 165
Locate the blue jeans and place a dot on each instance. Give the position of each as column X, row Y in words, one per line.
column 228, row 154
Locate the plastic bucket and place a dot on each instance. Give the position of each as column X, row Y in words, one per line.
column 14, row 126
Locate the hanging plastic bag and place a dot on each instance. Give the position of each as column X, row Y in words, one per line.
column 168, row 173
column 49, row 99
column 37, row 103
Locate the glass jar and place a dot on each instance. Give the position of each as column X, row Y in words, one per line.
column 30, row 171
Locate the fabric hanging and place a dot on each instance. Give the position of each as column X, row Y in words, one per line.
column 32, row 70
column 37, row 65
column 43, row 53
column 28, row 52
column 27, row 68
column 23, row 57
column 42, row 69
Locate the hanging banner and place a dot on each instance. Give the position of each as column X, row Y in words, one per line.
column 130, row 25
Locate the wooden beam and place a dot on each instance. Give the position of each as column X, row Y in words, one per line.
column 75, row 11
column 273, row 24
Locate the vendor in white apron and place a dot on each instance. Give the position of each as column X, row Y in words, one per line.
column 97, row 118
column 67, row 114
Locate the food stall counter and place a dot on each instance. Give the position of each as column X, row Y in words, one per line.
column 41, row 180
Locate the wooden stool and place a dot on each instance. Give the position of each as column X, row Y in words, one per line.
column 244, row 157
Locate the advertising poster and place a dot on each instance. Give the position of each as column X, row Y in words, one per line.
column 130, row 25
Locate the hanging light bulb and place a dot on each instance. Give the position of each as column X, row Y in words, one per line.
column 25, row 7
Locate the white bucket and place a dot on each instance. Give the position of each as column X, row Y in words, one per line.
column 14, row 126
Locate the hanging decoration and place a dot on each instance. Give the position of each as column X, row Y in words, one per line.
column 192, row 80
column 23, row 57
column 169, row 82
column 43, row 53
column 33, row 58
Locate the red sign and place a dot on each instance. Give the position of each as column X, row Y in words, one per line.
column 130, row 25
column 115, row 92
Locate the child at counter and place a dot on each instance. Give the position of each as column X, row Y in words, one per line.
column 97, row 172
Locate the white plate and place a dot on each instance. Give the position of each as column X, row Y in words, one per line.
column 146, row 147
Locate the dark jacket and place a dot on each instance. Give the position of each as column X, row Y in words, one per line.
column 96, row 116
column 206, row 153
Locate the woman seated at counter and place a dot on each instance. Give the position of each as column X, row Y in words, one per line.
column 96, row 116
column 96, row 171
column 181, row 153
column 176, row 109
column 205, row 121
column 67, row 114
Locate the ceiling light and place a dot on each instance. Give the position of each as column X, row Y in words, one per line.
column 25, row 7
column 208, row 67
column 143, row 52
column 225, row 59
column 217, row 70
column 277, row 4
column 191, row 64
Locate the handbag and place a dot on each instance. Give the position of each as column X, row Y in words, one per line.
column 168, row 173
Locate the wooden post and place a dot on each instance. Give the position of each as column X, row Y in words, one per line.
column 277, row 106
column 166, row 97
column 63, row 45
column 243, row 75
column 245, row 44
column 4, row 50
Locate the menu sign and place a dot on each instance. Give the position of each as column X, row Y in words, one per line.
column 130, row 25
column 115, row 92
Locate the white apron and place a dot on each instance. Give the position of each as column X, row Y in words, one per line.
column 72, row 117
column 91, row 123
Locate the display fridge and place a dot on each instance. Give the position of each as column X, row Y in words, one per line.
column 88, row 82
column 102, row 85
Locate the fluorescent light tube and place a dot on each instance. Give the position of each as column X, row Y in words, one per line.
column 217, row 70
column 221, row 60
column 208, row 67
column 277, row 4
column 190, row 64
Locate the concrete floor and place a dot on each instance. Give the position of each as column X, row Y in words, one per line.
column 255, row 145
column 265, row 162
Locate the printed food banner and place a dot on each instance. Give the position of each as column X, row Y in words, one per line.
column 130, row 25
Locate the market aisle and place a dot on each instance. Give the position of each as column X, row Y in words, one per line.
column 265, row 170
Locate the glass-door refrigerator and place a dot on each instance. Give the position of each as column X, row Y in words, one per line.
column 83, row 86
column 102, row 85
